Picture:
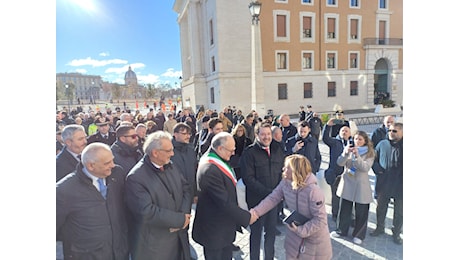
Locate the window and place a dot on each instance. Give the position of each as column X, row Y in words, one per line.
column 354, row 29
column 281, row 25
column 353, row 60
column 383, row 4
column 331, row 28
column 307, row 62
column 382, row 32
column 331, row 2
column 354, row 3
column 211, row 33
column 281, row 61
column 307, row 90
column 282, row 91
column 212, row 95
column 213, row 64
column 331, row 60
column 306, row 1
column 306, row 25
column 353, row 88
column 331, row 89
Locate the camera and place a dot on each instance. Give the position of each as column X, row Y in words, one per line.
column 338, row 121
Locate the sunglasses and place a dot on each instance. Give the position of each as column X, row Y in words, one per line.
column 134, row 136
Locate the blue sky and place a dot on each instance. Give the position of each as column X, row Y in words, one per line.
column 97, row 37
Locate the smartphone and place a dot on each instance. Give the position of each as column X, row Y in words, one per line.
column 351, row 143
column 338, row 121
column 299, row 138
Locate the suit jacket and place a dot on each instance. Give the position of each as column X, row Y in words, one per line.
column 310, row 150
column 65, row 164
column 261, row 173
column 157, row 201
column 90, row 226
column 97, row 137
column 218, row 216
column 125, row 156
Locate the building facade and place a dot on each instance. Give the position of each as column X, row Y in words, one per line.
column 325, row 53
column 86, row 88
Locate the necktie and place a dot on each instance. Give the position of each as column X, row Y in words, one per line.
column 102, row 187
column 268, row 150
column 79, row 157
column 162, row 168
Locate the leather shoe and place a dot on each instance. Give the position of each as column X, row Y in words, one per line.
column 398, row 240
column 235, row 247
column 377, row 232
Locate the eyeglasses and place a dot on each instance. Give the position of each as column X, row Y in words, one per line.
column 186, row 133
column 392, row 130
column 229, row 150
column 134, row 136
column 168, row 151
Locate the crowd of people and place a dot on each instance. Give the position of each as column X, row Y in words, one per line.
column 126, row 182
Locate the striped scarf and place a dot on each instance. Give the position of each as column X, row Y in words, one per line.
column 213, row 158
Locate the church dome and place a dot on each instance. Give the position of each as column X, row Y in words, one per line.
column 130, row 74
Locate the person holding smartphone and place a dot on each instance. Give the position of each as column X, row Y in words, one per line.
column 354, row 187
column 339, row 122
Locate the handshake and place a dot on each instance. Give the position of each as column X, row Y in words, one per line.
column 254, row 216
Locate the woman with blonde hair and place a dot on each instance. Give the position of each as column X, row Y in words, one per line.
column 241, row 142
column 300, row 191
column 355, row 188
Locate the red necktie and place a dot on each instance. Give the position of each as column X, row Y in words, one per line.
column 268, row 150
column 162, row 168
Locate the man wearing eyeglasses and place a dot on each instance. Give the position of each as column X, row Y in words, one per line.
column 184, row 157
column 388, row 168
column 159, row 203
column 126, row 149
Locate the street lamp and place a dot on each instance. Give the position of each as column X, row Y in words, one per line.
column 257, row 90
column 254, row 8
column 67, row 93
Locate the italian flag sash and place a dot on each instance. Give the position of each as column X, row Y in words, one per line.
column 217, row 161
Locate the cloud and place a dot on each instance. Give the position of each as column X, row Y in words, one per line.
column 148, row 79
column 82, row 71
column 170, row 73
column 104, row 54
column 124, row 69
column 95, row 63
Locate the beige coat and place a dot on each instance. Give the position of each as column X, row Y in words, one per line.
column 357, row 187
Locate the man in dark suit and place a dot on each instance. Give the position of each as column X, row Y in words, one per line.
column 126, row 149
column 261, row 167
column 218, row 215
column 388, row 168
column 103, row 134
column 74, row 138
column 159, row 202
column 90, row 211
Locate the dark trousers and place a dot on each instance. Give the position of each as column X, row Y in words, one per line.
column 345, row 218
column 382, row 208
column 266, row 222
column 335, row 200
column 218, row 254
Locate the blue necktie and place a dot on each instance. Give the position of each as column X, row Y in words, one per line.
column 102, row 187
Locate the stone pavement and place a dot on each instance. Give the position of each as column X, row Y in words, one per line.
column 381, row 247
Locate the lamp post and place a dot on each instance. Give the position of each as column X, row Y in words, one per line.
column 257, row 90
column 67, row 93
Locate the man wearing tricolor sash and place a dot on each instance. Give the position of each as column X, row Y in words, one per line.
column 218, row 215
